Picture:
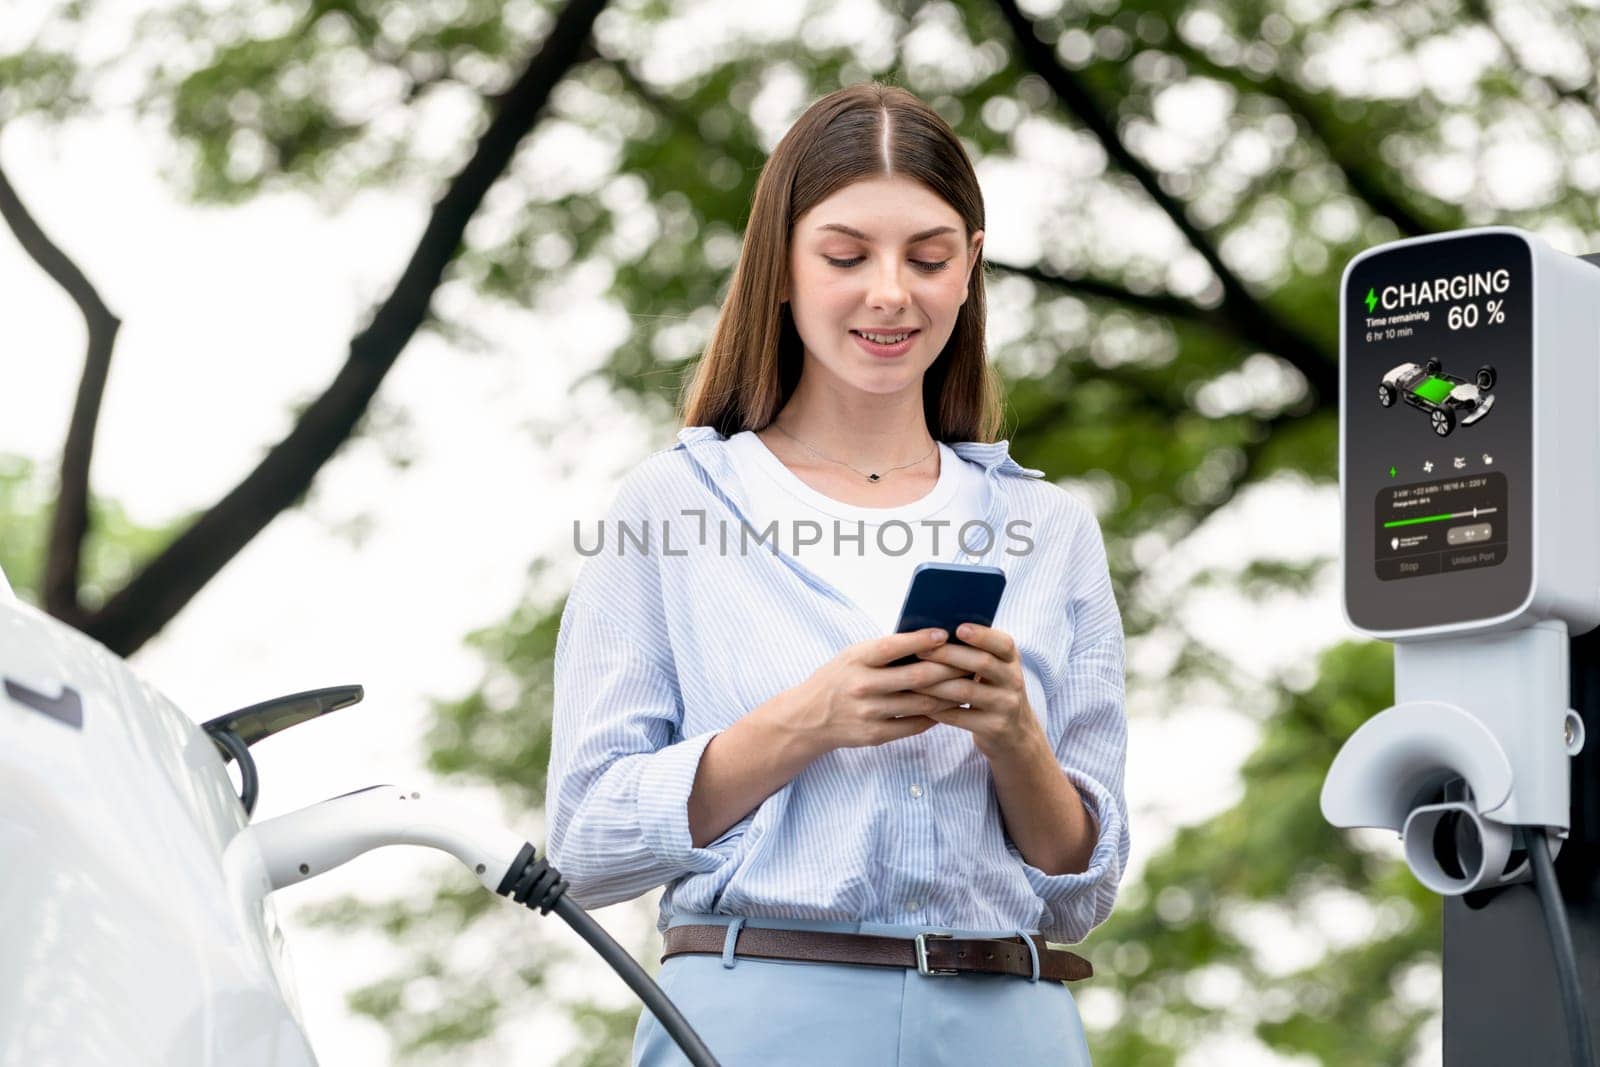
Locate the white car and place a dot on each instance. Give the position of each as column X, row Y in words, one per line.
column 1427, row 388
column 124, row 941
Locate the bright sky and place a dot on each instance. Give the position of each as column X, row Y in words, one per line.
column 232, row 315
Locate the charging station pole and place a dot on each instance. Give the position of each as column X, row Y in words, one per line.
column 1501, row 1003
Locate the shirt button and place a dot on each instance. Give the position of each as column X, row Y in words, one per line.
column 916, row 791
column 913, row 905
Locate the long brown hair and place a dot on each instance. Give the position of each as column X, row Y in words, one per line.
column 753, row 361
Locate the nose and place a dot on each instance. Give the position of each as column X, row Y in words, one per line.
column 888, row 287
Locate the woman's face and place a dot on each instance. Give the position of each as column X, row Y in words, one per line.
column 883, row 256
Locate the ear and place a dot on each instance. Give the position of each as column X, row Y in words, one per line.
column 976, row 246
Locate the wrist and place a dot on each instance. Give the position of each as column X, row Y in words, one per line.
column 788, row 738
column 1023, row 747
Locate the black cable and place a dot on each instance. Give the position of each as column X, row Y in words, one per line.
column 249, row 783
column 537, row 886
column 1555, row 921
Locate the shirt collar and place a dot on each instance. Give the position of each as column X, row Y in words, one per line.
column 992, row 456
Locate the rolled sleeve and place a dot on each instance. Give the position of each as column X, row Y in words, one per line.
column 620, row 776
column 664, row 787
column 1087, row 722
column 1077, row 903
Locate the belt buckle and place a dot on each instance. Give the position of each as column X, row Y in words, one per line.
column 922, row 954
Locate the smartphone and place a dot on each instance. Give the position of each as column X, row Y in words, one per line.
column 945, row 595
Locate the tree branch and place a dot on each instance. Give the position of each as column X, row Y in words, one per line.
column 160, row 590
column 1163, row 305
column 70, row 524
column 1251, row 318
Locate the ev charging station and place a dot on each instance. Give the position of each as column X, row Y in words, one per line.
column 1469, row 432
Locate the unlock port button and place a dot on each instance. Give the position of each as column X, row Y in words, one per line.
column 1476, row 534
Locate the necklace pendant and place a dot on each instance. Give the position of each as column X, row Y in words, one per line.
column 872, row 477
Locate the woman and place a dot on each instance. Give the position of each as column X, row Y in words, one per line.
column 727, row 722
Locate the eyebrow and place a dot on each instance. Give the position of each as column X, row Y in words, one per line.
column 924, row 235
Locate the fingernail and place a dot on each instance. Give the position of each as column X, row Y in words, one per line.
column 937, row 635
column 964, row 630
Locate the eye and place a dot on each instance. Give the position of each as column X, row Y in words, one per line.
column 925, row 267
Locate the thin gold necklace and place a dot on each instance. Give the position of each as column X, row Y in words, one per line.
column 858, row 470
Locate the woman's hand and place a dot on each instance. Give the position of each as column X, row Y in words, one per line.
column 852, row 700
column 999, row 717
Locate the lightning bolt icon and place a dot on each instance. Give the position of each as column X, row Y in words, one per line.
column 1372, row 301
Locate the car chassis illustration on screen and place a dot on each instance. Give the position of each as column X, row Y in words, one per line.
column 1428, row 388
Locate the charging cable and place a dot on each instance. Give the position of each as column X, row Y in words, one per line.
column 299, row 846
column 1555, row 921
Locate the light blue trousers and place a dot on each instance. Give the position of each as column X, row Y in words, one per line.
column 763, row 1012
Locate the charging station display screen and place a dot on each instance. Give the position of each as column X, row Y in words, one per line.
column 1438, row 442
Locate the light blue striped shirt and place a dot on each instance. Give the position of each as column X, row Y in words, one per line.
column 683, row 621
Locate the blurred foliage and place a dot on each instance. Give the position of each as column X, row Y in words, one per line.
column 42, row 76
column 1288, row 134
column 323, row 95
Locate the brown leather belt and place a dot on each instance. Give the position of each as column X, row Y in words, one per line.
column 930, row 953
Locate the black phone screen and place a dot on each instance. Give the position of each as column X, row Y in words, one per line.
column 945, row 595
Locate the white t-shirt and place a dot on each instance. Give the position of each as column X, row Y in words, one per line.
column 875, row 569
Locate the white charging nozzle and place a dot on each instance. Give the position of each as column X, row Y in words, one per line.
column 308, row 842
column 1451, row 849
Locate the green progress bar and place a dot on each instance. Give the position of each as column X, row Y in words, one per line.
column 1413, row 522
column 1473, row 514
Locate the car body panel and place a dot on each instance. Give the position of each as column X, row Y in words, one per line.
column 124, row 940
